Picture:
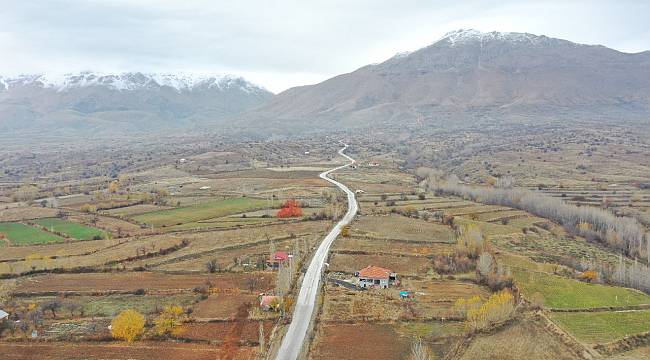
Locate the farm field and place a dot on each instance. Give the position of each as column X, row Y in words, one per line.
column 602, row 327
column 563, row 293
column 21, row 234
column 247, row 331
column 223, row 306
column 135, row 210
column 369, row 341
column 73, row 230
column 21, row 213
column 132, row 281
column 522, row 340
column 198, row 234
column 370, row 245
column 117, row 351
column 208, row 210
column 403, row 228
column 111, row 305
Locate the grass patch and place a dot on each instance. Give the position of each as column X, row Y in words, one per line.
column 21, row 234
column 600, row 327
column 208, row 210
column 563, row 293
column 73, row 230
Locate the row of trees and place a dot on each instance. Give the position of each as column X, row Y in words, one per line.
column 481, row 314
column 621, row 233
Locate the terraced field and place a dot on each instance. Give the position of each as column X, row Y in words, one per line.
column 563, row 293
column 601, row 327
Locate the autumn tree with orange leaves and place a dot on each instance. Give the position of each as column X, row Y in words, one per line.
column 291, row 208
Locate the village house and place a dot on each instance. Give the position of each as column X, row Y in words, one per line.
column 276, row 259
column 3, row 315
column 375, row 276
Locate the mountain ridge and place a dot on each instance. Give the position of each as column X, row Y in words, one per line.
column 100, row 103
column 467, row 69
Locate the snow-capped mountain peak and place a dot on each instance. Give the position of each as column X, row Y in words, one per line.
column 471, row 35
column 132, row 81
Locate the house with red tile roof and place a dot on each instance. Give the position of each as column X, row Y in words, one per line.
column 375, row 276
column 276, row 259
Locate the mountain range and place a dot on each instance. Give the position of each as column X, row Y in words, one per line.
column 464, row 74
column 96, row 103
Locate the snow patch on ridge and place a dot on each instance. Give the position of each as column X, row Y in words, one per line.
column 470, row 35
column 132, row 81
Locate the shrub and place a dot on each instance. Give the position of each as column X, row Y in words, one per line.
column 458, row 262
column 170, row 321
column 588, row 276
column 212, row 266
column 291, row 208
column 128, row 325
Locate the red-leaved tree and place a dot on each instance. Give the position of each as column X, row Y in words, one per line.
column 291, row 208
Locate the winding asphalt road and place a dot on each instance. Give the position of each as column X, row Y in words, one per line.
column 302, row 314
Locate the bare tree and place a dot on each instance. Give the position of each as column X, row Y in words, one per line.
column 419, row 351
column 485, row 264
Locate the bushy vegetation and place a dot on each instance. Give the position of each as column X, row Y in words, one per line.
column 170, row 321
column 128, row 325
column 291, row 208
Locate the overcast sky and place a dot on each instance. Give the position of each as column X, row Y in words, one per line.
column 279, row 44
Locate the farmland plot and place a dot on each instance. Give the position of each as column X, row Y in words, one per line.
column 21, row 234
column 71, row 229
column 202, row 211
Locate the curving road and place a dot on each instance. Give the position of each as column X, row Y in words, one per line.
column 302, row 314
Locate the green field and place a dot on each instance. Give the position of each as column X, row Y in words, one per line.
column 601, row 327
column 203, row 211
column 21, row 234
column 73, row 230
column 563, row 293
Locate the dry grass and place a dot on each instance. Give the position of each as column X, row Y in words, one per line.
column 403, row 228
column 223, row 306
column 523, row 340
column 390, row 246
column 117, row 351
column 131, row 281
column 402, row 265
column 359, row 341
column 25, row 213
